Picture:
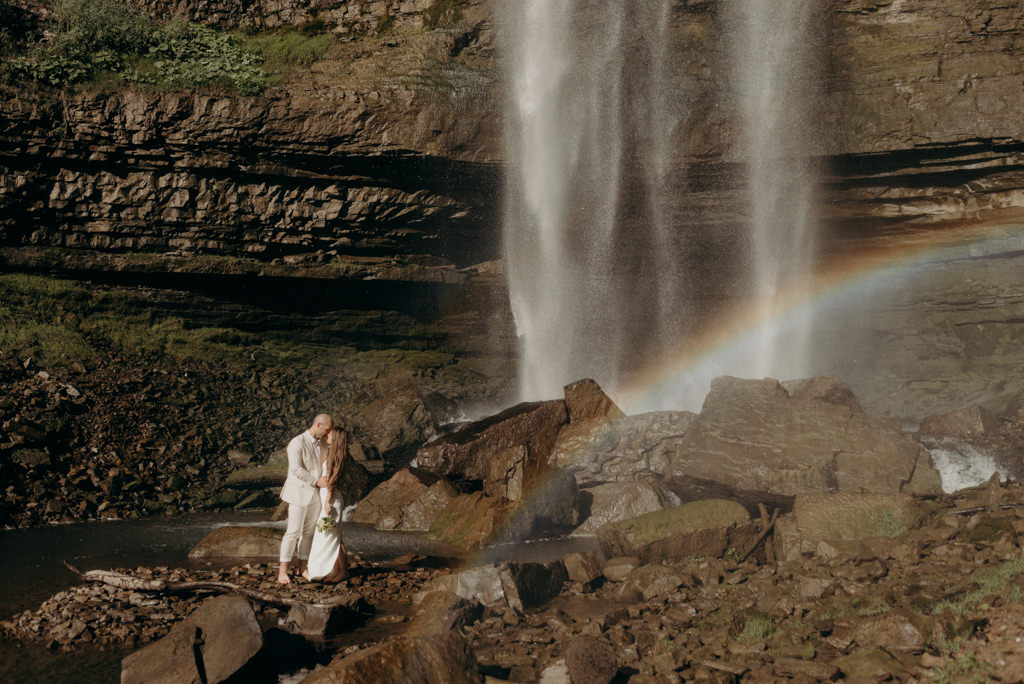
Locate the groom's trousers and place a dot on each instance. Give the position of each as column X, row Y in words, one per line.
column 301, row 526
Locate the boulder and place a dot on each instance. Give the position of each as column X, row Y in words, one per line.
column 473, row 520
column 628, row 448
column 521, row 586
column 411, row 500
column 616, row 501
column 699, row 528
column 324, row 620
column 970, row 420
column 840, row 518
column 591, row 660
column 653, row 581
column 583, row 567
column 619, row 568
column 508, row 452
column 585, row 400
column 443, row 657
column 399, row 422
column 752, row 434
column 208, row 646
column 827, row 389
column 250, row 541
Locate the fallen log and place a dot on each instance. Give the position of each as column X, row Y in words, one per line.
column 123, row 581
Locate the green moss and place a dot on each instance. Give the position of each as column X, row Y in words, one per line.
column 990, row 582
column 689, row 517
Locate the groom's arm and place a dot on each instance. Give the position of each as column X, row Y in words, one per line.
column 295, row 464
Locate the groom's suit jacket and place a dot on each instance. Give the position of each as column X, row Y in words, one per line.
column 303, row 471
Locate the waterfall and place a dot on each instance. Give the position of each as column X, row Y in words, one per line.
column 773, row 57
column 597, row 261
column 587, row 243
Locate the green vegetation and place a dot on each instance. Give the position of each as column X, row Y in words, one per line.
column 186, row 55
column 40, row 317
column 756, row 628
column 291, row 48
column 991, row 582
column 966, row 668
column 107, row 42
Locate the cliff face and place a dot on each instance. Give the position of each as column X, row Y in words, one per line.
column 384, row 162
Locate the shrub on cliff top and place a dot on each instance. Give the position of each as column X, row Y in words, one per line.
column 189, row 55
column 83, row 28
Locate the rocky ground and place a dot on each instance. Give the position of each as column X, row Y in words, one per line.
column 940, row 602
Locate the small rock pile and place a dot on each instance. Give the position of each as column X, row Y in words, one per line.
column 138, row 435
column 103, row 614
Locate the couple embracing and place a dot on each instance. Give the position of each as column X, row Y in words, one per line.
column 315, row 461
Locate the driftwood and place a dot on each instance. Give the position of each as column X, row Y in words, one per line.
column 122, row 581
column 766, row 528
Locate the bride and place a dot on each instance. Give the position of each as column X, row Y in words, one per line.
column 328, row 561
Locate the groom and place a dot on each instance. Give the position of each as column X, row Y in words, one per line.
column 301, row 493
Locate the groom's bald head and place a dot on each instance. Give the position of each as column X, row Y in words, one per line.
column 322, row 424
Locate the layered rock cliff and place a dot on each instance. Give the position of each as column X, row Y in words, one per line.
column 380, row 166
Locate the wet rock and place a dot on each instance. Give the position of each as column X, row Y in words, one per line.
column 585, row 400
column 327, row 619
column 411, row 500
column 399, row 422
column 210, row 645
column 616, row 501
column 700, row 528
column 521, row 586
column 844, row 517
column 239, row 542
column 970, row 420
column 584, row 568
column 508, row 452
column 752, row 434
column 472, row 520
column 622, row 449
column 590, row 660
column 441, row 657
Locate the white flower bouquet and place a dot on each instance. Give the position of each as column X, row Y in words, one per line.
column 326, row 524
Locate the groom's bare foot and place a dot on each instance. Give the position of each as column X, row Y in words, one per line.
column 282, row 578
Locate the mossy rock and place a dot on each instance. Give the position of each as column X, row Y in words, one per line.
column 698, row 528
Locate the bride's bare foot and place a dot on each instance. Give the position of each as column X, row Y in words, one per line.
column 282, row 578
column 305, row 575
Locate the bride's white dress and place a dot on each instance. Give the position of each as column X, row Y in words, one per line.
column 326, row 545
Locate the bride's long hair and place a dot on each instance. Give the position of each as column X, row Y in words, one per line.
column 336, row 455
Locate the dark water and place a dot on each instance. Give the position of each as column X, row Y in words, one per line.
column 32, row 569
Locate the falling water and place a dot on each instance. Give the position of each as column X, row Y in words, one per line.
column 773, row 53
column 596, row 260
column 593, row 284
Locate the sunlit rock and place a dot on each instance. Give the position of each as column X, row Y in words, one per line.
column 411, row 500
column 752, row 434
column 699, row 528
column 209, row 645
column 443, row 657
column 618, row 501
column 840, row 518
column 970, row 420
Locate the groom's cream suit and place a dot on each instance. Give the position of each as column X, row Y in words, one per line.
column 301, row 494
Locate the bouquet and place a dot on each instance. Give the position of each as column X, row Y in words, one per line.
column 326, row 524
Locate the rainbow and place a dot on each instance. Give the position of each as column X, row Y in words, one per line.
column 680, row 379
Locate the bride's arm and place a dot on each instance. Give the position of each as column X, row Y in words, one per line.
column 328, row 500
